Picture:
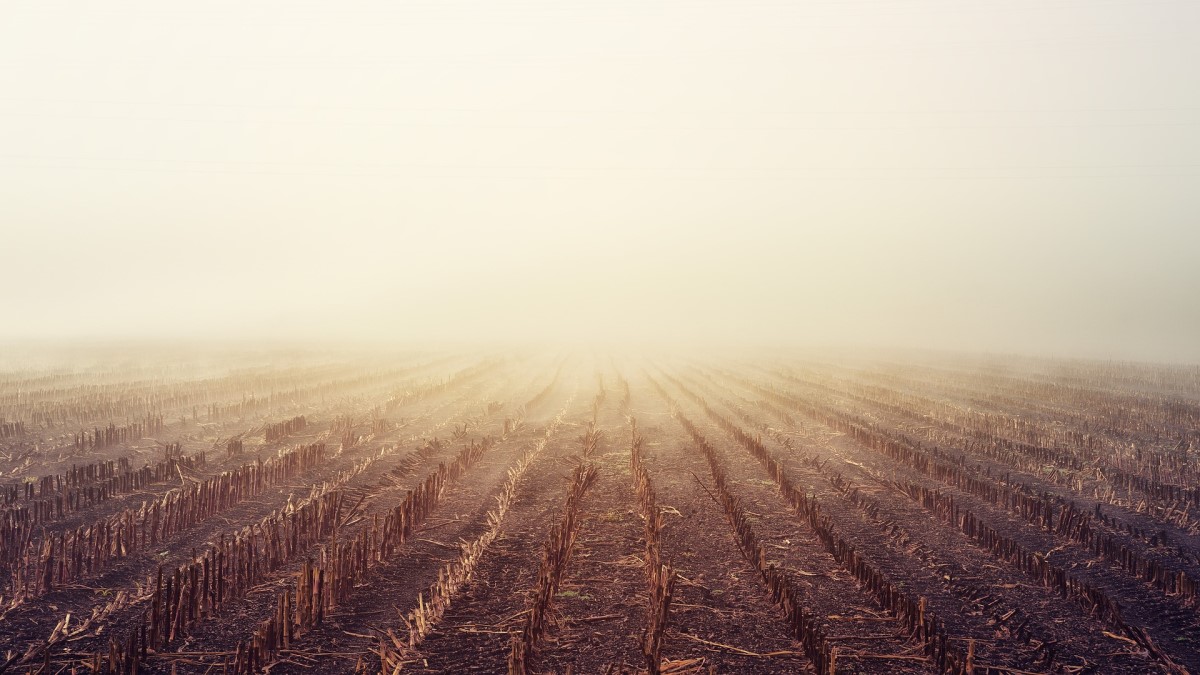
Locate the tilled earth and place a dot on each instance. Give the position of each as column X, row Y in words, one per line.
column 819, row 462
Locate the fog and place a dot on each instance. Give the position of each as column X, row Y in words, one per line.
column 965, row 175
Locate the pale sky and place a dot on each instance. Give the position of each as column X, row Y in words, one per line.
column 964, row 174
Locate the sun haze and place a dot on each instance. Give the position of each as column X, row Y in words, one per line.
column 1018, row 176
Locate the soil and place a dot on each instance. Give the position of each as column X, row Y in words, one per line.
column 722, row 616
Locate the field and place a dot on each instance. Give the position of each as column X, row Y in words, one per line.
column 569, row 512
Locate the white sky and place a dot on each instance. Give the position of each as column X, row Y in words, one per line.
column 970, row 174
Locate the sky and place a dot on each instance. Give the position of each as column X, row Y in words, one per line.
column 1018, row 176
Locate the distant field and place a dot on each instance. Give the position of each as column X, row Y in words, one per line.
column 560, row 512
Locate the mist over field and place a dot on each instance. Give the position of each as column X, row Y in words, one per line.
column 635, row 337
column 1016, row 177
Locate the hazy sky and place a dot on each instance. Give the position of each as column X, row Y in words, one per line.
column 1020, row 175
